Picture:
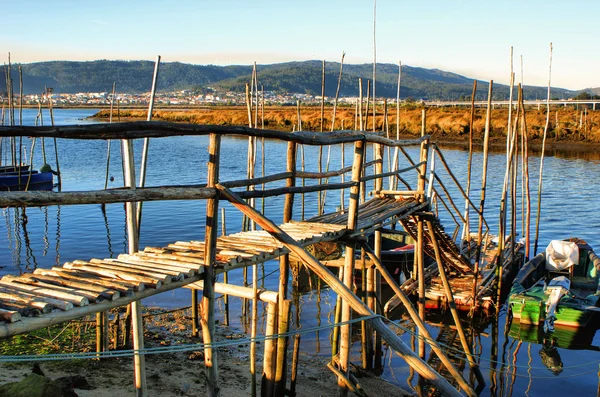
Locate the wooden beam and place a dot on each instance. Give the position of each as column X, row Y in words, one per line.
column 156, row 129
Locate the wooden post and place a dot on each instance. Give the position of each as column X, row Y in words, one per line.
column 539, row 195
column 139, row 362
column 284, row 272
column 225, row 274
column 486, row 139
column 345, row 340
column 99, row 330
column 281, row 367
column 419, row 251
column 349, row 297
column 147, row 140
column 268, row 377
column 378, row 156
column 466, row 227
column 210, row 243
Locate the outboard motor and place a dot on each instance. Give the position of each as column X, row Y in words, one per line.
column 556, row 289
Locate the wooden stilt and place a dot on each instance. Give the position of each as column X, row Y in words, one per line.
column 139, row 362
column 99, row 330
column 419, row 250
column 486, row 139
column 345, row 341
column 147, row 141
column 268, row 377
column 281, row 367
column 195, row 314
column 284, row 272
column 378, row 157
column 210, row 240
column 226, row 274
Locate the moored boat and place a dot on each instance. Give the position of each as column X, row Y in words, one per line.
column 22, row 178
column 559, row 286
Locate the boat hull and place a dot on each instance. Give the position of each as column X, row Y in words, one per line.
column 30, row 180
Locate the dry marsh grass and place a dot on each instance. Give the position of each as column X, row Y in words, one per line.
column 566, row 123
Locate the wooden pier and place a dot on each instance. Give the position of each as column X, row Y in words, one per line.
column 83, row 287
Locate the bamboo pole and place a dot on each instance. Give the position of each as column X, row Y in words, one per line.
column 539, row 197
column 112, row 102
column 255, row 88
column 210, row 240
column 374, row 62
column 320, row 158
column 361, row 126
column 51, row 111
column 281, row 368
column 357, row 305
column 514, row 171
column 139, row 361
column 21, row 123
column 268, row 376
column 345, row 330
column 525, row 181
column 366, row 125
column 419, row 251
column 378, row 157
column 502, row 221
column 147, row 141
column 335, row 103
column 249, row 105
column 486, row 139
column 466, row 227
column 284, row 271
column 225, row 274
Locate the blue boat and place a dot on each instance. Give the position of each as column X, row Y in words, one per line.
column 13, row 179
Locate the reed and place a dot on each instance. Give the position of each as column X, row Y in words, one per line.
column 539, row 195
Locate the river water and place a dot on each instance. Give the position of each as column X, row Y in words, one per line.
column 43, row 237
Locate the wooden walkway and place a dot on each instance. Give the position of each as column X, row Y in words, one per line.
column 79, row 288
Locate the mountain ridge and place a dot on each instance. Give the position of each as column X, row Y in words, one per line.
column 301, row 77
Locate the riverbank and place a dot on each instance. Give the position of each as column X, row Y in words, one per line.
column 570, row 128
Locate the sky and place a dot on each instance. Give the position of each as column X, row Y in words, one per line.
column 471, row 38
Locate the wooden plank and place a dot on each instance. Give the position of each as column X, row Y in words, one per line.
column 91, row 296
column 102, row 291
column 124, row 286
column 10, row 316
column 117, row 274
column 163, row 276
column 44, row 307
column 51, row 293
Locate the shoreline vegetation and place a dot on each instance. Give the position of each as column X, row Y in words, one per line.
column 570, row 130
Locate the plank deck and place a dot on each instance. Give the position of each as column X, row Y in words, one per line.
column 50, row 296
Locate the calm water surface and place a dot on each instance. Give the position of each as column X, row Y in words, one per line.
column 43, row 237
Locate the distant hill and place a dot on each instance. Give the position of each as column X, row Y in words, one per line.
column 291, row 77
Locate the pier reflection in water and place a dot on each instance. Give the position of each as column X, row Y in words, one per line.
column 43, row 237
